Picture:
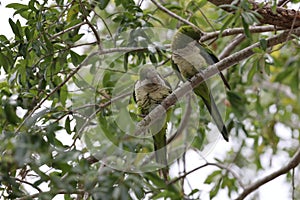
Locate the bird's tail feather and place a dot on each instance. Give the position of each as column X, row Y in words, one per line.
column 160, row 147
column 214, row 112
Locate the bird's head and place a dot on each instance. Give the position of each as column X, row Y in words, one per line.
column 191, row 32
column 149, row 75
column 147, row 72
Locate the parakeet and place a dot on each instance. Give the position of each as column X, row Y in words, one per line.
column 149, row 91
column 189, row 56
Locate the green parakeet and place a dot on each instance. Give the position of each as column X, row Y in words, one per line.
column 149, row 91
column 189, row 56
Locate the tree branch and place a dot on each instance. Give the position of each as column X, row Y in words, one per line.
column 206, row 74
column 67, row 30
column 28, row 183
column 235, row 31
column 290, row 165
column 231, row 46
column 282, row 17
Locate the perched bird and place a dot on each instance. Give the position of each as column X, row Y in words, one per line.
column 189, row 56
column 149, row 91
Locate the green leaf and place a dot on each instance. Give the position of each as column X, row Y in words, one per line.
column 153, row 58
column 126, row 61
column 67, row 125
column 51, row 129
column 31, row 5
column 16, row 28
column 173, row 7
column 212, row 177
column 76, row 37
column 76, row 58
column 226, row 24
column 252, row 72
column 49, row 45
column 17, row 6
column 23, row 50
column 215, row 190
column 73, row 12
column 238, row 103
column 10, row 113
column 36, row 47
column 263, row 44
column 201, row 3
column 3, row 40
column 194, row 191
column 4, row 62
column 199, row 139
column 285, row 73
column 63, row 94
column 295, row 81
column 246, row 28
column 157, row 181
column 34, row 118
column 29, row 34
column 231, row 6
column 103, row 3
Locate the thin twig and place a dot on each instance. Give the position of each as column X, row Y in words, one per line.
column 282, row 3
column 283, row 170
column 187, row 173
column 167, row 11
column 91, row 26
column 231, row 46
column 293, row 184
column 104, row 22
column 28, row 183
column 293, row 24
column 67, row 30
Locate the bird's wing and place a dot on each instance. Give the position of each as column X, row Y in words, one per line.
column 211, row 59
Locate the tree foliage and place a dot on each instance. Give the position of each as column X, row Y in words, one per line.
column 67, row 72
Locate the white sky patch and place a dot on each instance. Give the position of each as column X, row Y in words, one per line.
column 7, row 13
column 276, row 189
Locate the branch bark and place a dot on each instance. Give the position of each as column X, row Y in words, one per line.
column 235, row 31
column 291, row 164
column 231, row 46
column 36, row 195
column 287, row 18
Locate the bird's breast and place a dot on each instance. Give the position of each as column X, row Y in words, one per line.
column 189, row 60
